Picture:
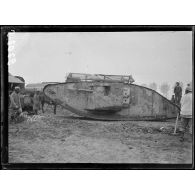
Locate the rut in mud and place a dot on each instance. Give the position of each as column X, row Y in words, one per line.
column 66, row 138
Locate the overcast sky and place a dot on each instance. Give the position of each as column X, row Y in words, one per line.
column 148, row 56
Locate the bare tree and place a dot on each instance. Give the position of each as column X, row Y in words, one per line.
column 153, row 86
column 164, row 88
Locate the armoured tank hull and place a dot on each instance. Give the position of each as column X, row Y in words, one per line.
column 110, row 100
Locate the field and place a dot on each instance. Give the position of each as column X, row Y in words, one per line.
column 67, row 138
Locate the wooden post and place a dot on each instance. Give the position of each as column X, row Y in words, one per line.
column 176, row 123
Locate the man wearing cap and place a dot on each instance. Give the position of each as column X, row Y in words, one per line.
column 178, row 93
column 15, row 104
column 186, row 112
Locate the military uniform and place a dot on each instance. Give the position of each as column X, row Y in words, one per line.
column 178, row 94
column 15, row 104
column 186, row 112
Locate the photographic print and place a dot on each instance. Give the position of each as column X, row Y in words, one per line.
column 113, row 97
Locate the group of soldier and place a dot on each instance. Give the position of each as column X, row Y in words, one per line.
column 185, row 104
column 16, row 106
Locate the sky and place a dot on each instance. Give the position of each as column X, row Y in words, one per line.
column 147, row 56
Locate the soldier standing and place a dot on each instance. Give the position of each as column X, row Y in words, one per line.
column 15, row 104
column 178, row 93
column 186, row 112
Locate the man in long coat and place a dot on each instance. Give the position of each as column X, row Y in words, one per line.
column 178, row 93
column 15, row 104
column 186, row 112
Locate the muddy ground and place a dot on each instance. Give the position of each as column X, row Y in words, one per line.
column 67, row 138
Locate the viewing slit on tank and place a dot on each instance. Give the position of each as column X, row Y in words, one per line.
column 110, row 97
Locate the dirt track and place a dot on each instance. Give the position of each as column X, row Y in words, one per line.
column 65, row 138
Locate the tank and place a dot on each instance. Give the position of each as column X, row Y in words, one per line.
column 110, row 97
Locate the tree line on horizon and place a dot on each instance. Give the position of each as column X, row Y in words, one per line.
column 164, row 87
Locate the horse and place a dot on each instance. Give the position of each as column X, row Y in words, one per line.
column 27, row 101
column 44, row 99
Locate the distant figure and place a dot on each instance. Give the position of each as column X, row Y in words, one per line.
column 189, row 85
column 36, row 102
column 173, row 99
column 178, row 93
column 15, row 104
column 186, row 112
